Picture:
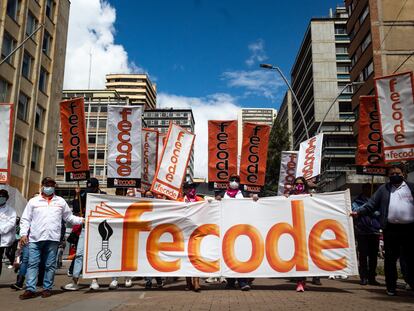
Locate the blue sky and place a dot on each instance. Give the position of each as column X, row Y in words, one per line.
column 191, row 47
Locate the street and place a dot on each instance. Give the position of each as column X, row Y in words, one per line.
column 267, row 294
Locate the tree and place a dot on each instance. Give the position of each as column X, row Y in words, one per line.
column 278, row 142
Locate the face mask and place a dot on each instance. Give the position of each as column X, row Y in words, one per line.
column 3, row 200
column 234, row 185
column 396, row 179
column 48, row 190
column 299, row 187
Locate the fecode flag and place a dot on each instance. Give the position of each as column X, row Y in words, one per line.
column 149, row 157
column 396, row 106
column 222, row 152
column 174, row 161
column 232, row 237
column 6, row 130
column 124, row 146
column 254, row 154
column 75, row 145
column 309, row 158
column 162, row 137
column 288, row 161
column 369, row 157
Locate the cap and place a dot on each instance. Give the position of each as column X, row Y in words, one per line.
column 92, row 183
column 48, row 180
column 234, row 176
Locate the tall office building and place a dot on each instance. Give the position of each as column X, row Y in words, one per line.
column 160, row 119
column 382, row 43
column 320, row 72
column 285, row 116
column 254, row 115
column 32, row 79
column 138, row 88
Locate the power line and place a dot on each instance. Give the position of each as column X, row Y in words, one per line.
column 396, row 19
column 402, row 64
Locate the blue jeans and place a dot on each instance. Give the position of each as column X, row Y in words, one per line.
column 78, row 261
column 24, row 260
column 38, row 251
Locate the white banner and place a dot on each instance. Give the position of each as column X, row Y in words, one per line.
column 274, row 237
column 287, row 173
column 174, row 161
column 396, row 106
column 6, row 130
column 149, row 157
column 310, row 157
column 162, row 138
column 124, row 146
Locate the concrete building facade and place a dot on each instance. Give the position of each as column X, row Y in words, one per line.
column 137, row 88
column 285, row 116
column 32, row 80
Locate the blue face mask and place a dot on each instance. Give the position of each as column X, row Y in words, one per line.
column 48, row 190
column 3, row 200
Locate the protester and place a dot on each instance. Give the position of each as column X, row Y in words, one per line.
column 7, row 225
column 92, row 186
column 43, row 217
column 367, row 236
column 394, row 201
column 233, row 192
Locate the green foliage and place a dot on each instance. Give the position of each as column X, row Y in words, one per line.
column 278, row 142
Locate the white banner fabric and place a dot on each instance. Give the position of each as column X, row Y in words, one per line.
column 310, row 157
column 124, row 146
column 5, row 142
column 287, row 173
column 396, row 106
column 149, row 157
column 274, row 237
column 174, row 161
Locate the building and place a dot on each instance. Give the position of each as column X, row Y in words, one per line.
column 382, row 43
column 285, row 116
column 254, row 115
column 96, row 114
column 138, row 88
column 319, row 73
column 160, row 120
column 32, row 79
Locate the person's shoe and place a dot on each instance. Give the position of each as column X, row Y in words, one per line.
column 300, row 287
column 316, row 281
column 113, row 284
column 331, row 277
column 94, row 285
column 128, row 282
column 28, row 295
column 19, row 285
column 148, row 284
column 408, row 287
column 391, row 292
column 69, row 274
column 197, row 289
column 223, row 280
column 245, row 288
column 9, row 266
column 46, row 293
column 210, row 280
column 374, row 282
column 160, row 285
column 71, row 287
column 363, row 282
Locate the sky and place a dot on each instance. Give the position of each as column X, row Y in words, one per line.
column 203, row 54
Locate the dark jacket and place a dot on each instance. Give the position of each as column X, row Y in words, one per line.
column 75, row 203
column 380, row 202
column 365, row 224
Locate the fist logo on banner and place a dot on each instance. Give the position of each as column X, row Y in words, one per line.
column 105, row 231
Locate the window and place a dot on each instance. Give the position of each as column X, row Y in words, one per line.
column 39, row 119
column 23, row 107
column 368, row 70
column 47, row 42
column 102, row 124
column 345, row 107
column 104, row 108
column 27, row 65
column 60, row 155
column 8, row 45
column 43, row 80
column 347, row 90
column 4, row 89
column 343, row 68
column 340, row 30
column 101, row 139
column 92, row 123
column 60, row 171
column 91, row 139
column 94, row 108
column 364, row 15
column 340, row 49
column 354, row 59
column 35, row 162
column 100, row 171
column 100, row 155
column 366, row 42
column 91, row 154
column 13, row 8
column 31, row 23
column 49, row 8
column 18, row 149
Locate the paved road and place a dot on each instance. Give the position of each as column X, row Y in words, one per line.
column 267, row 294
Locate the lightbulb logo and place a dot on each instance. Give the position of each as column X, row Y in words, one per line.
column 105, row 231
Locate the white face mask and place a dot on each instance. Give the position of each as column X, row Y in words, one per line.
column 234, row 185
column 48, row 190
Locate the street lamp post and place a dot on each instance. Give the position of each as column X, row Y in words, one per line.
column 333, row 102
column 271, row 67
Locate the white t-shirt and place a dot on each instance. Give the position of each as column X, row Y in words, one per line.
column 401, row 208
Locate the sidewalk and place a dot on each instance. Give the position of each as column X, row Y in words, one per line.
column 267, row 294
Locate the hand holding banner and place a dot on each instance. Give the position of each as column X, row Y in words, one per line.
column 75, row 145
column 174, row 161
column 310, row 157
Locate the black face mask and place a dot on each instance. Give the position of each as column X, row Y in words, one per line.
column 396, row 179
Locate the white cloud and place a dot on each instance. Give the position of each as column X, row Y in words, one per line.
column 214, row 107
column 259, row 82
column 91, row 30
column 257, row 51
